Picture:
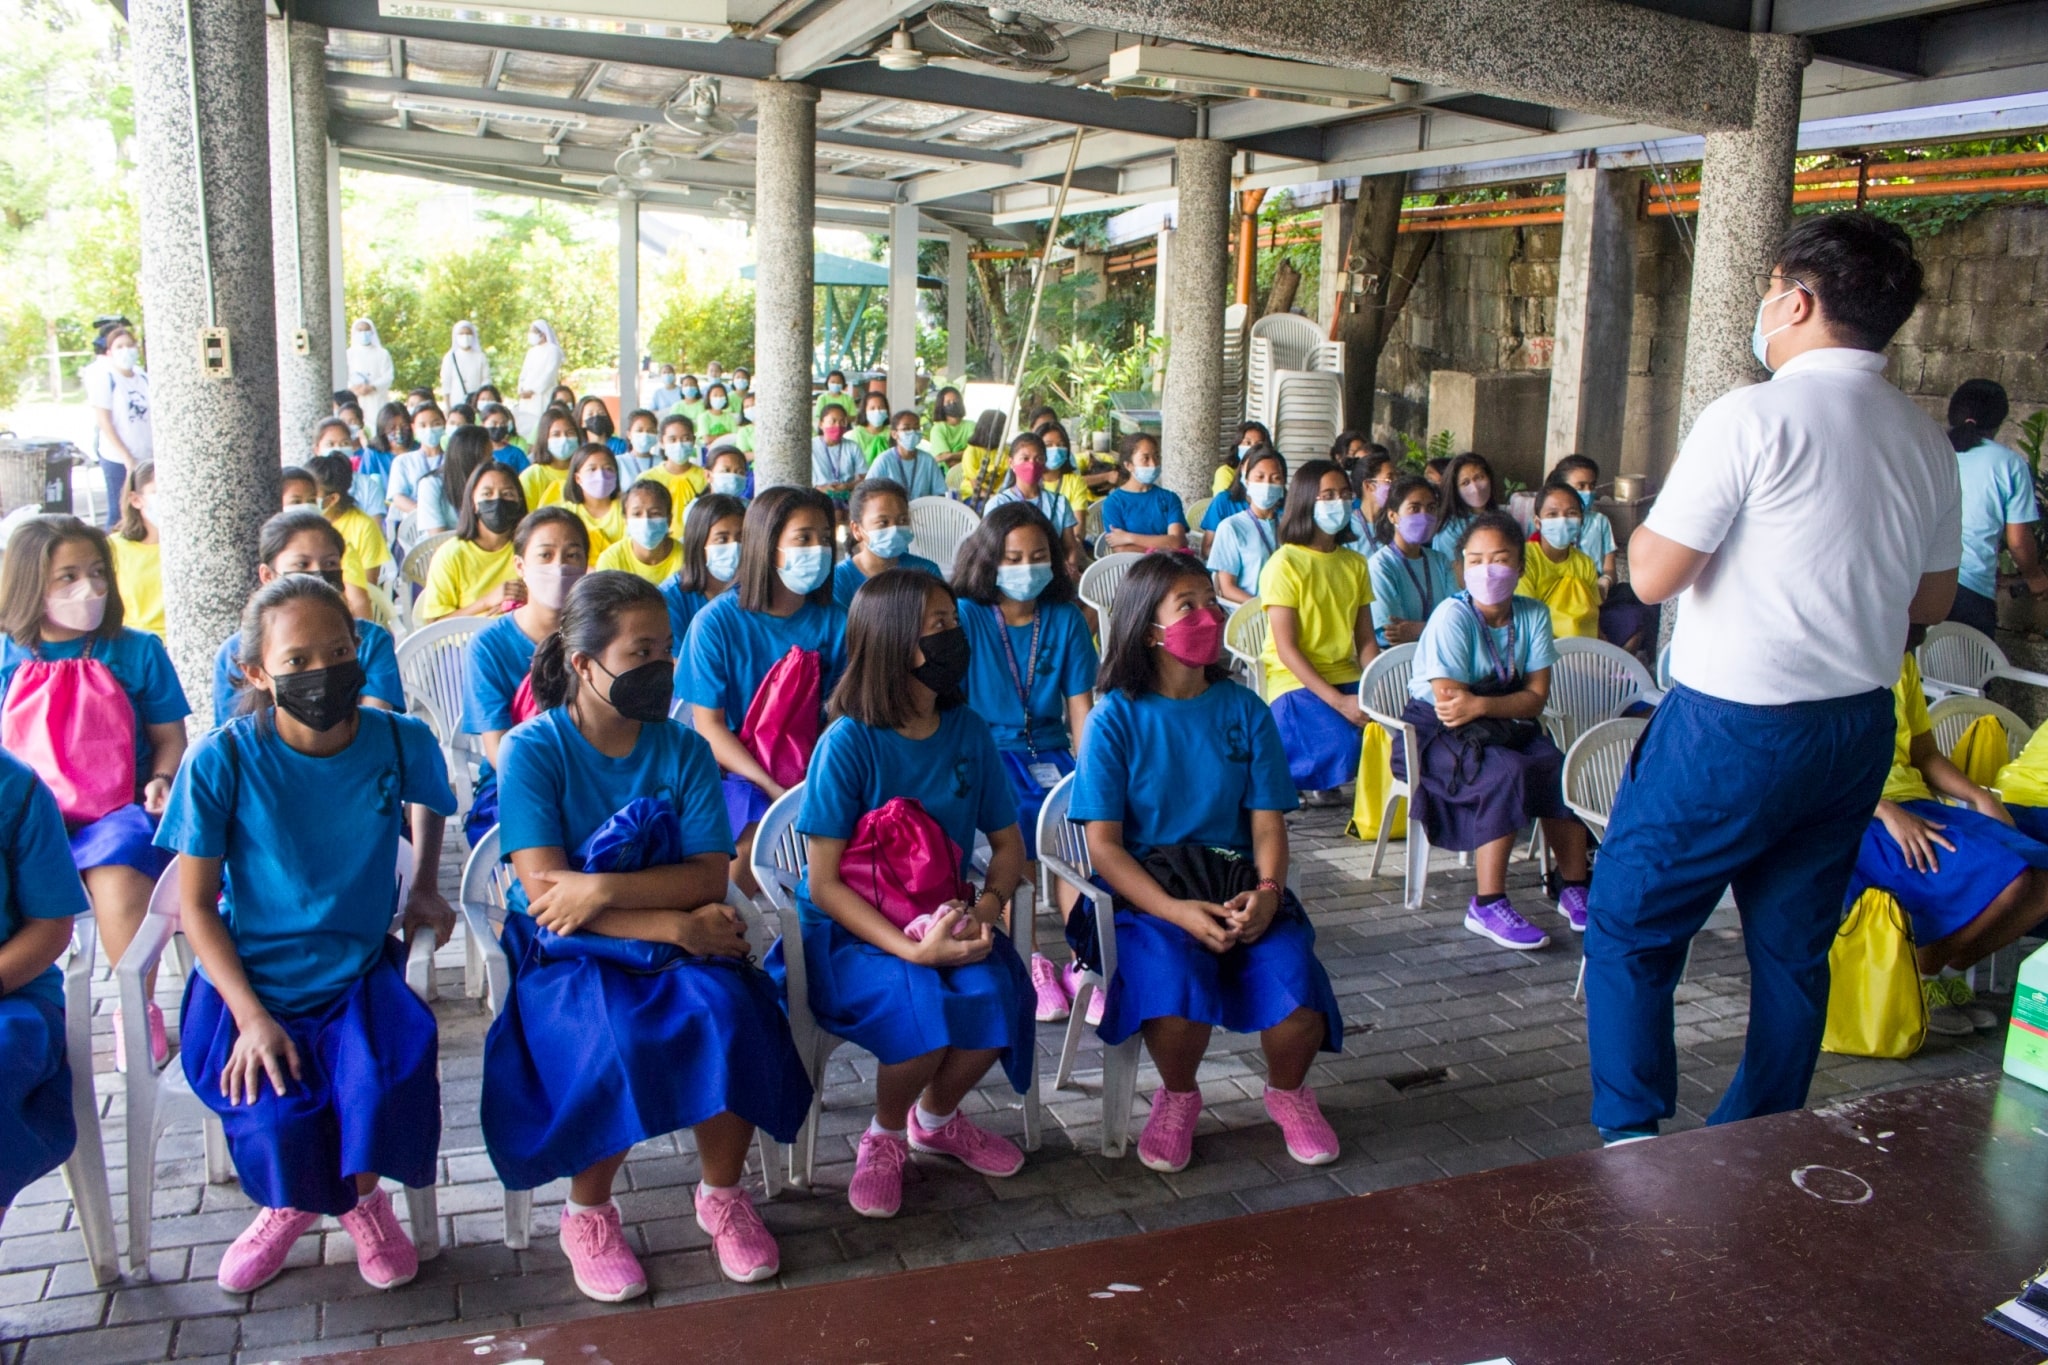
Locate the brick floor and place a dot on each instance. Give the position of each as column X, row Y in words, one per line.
column 1461, row 1057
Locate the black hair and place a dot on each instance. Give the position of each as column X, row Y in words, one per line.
column 590, row 622
column 462, row 410
column 1976, row 410
column 485, row 412
column 351, row 407
column 430, row 404
column 1052, row 429
column 273, row 596
column 380, row 435
column 1251, row 459
column 883, row 626
column 1383, row 519
column 320, row 429
column 943, row 408
column 294, row 473
column 989, row 428
column 1556, row 485
column 760, row 543
column 287, row 526
column 1437, row 465
column 981, row 554
column 468, row 450
column 332, row 473
column 1572, row 464
column 1859, row 268
column 341, row 397
column 597, row 420
column 554, row 514
column 425, row 394
column 700, row 519
column 664, row 501
column 1265, row 437
column 1027, row 438
column 1127, row 665
column 675, row 417
column 1298, row 514
column 1340, row 449
column 915, row 420
column 1502, row 525
column 491, row 389
column 866, row 491
column 572, row 491
column 467, row 524
column 637, row 413
column 1454, row 506
column 543, row 432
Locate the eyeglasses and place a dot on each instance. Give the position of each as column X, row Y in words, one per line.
column 1768, row 282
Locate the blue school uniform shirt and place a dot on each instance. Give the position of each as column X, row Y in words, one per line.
column 37, row 877
column 1998, row 491
column 954, row 774
column 138, row 662
column 731, row 649
column 1222, row 506
column 1142, row 514
column 631, row 467
column 1451, row 646
column 683, row 607
column 1135, row 768
column 1054, row 505
column 373, row 474
column 374, row 651
column 1242, row 545
column 308, row 845
column 555, row 788
column 1406, row 589
column 1064, row 666
column 500, row 657
column 1596, row 537
column 920, row 474
column 1445, row 542
column 847, row 577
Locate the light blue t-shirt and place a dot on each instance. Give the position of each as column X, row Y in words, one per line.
column 1998, row 491
column 848, row 577
column 1057, row 509
column 731, row 649
column 1596, row 538
column 308, row 845
column 1445, row 542
column 374, row 651
column 921, row 474
column 1406, row 589
column 408, row 469
column 37, row 877
column 1452, row 645
column 1242, row 545
column 1142, row 514
column 1064, row 666
column 138, row 662
column 1134, row 768
column 954, row 774
column 373, row 472
column 836, row 463
column 500, row 657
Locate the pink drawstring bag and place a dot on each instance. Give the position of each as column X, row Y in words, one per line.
column 524, row 707
column 781, row 727
column 903, row 864
column 71, row 721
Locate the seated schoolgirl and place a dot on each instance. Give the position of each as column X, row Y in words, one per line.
column 613, row 819
column 67, row 653
column 779, row 626
column 1245, row 540
column 1625, row 619
column 298, row 488
column 555, row 443
column 648, row 550
column 1317, row 594
column 1230, row 497
column 1030, row 485
column 871, row 434
column 837, row 460
column 984, row 465
column 424, row 434
column 139, row 552
column 592, row 493
column 1484, row 660
column 1434, row 470
column 368, row 551
column 1207, row 935
column 563, row 397
column 440, row 493
column 1409, row 575
column 643, row 445
column 729, row 476
column 391, row 436
column 1468, row 490
column 677, row 463
column 1596, row 532
column 373, row 467
column 302, row 541
column 949, row 427
column 719, row 418
column 1372, row 483
column 39, row 896
column 595, row 419
column 502, row 428
column 907, row 757
column 1558, row 574
column 1141, row 515
column 710, row 565
column 298, row 1030
column 878, row 525
column 473, row 574
column 1066, row 470
column 907, row 462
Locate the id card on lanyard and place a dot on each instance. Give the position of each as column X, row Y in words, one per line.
column 1421, row 586
column 1046, row 775
column 1503, row 665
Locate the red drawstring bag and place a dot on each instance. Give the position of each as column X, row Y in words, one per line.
column 781, row 727
column 71, row 720
column 524, row 707
column 902, row 863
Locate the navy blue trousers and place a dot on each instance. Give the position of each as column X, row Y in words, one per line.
column 1771, row 800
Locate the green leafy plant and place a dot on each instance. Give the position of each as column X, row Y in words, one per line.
column 1441, row 446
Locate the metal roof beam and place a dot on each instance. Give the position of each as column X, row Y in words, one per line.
column 845, row 27
column 1824, row 16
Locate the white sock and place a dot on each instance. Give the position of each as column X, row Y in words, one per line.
column 929, row 1121
column 576, row 1208
column 875, row 1126
column 709, row 1188
column 1951, row 973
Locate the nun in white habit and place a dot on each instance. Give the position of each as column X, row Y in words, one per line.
column 538, row 375
column 465, row 368
column 370, row 371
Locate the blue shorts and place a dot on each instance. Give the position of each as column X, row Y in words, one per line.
column 1989, row 857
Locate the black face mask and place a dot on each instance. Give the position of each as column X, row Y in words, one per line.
column 643, row 693
column 600, row 428
column 946, row 654
column 320, row 698
column 498, row 515
column 495, row 432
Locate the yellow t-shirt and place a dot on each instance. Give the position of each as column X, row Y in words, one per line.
column 683, row 489
column 139, row 574
column 2024, row 781
column 463, row 573
column 605, row 531
column 1571, row 590
column 1076, row 491
column 1909, row 705
column 982, row 472
column 1327, row 591
column 1225, row 476
column 620, row 556
column 368, row 551
column 542, row 485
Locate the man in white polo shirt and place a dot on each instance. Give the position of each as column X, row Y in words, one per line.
column 1807, row 523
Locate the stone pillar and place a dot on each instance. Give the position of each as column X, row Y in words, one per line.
column 629, row 307
column 956, row 304
column 206, row 262
column 1745, row 201
column 902, row 307
column 1162, row 290
column 1595, row 305
column 298, row 232
column 338, row 318
column 1338, row 222
column 785, row 181
column 1197, row 276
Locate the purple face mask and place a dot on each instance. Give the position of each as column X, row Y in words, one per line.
column 1491, row 584
column 1413, row 528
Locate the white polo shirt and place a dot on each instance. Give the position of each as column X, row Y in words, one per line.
column 1823, row 497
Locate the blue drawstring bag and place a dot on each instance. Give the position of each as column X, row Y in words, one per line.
column 645, row 833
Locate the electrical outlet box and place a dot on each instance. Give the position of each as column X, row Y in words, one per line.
column 302, row 342
column 216, row 356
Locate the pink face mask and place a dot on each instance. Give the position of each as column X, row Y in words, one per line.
column 1475, row 494
column 832, row 432
column 1196, row 639
column 597, row 483
column 548, row 584
column 77, row 607
column 1028, row 471
column 1491, row 584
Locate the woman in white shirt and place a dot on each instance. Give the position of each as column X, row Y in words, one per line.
column 465, row 368
column 370, row 369
column 538, row 375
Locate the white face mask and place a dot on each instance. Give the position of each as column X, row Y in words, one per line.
column 465, row 341
column 124, row 358
column 363, row 337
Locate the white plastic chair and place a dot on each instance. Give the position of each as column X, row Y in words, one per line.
column 1383, row 696
column 780, row 857
column 1959, row 659
column 433, row 663
column 1244, row 635
column 486, row 975
column 85, row 1170
column 1954, row 714
column 413, row 569
column 1099, row 583
column 938, row 526
column 1593, row 681
column 157, row 1098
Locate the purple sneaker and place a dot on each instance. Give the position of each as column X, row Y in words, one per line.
column 1497, row 920
column 1572, row 903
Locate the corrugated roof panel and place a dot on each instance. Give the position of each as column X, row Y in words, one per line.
column 531, row 73
column 447, row 63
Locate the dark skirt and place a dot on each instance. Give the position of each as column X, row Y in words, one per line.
column 1030, row 795
column 588, row 1058
column 368, row 1098
column 745, row 803
column 37, row 1130
column 121, row 838
column 483, row 807
column 1322, row 747
column 1468, row 798
column 1989, row 857
column 1623, row 618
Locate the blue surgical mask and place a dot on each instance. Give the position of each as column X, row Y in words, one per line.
column 891, row 541
column 717, row 402
column 691, row 391
column 907, row 440
column 723, row 560
column 1560, row 532
column 1146, row 474
column 1267, row 496
column 878, row 417
column 677, row 452
column 647, row 532
column 739, row 385
column 1023, row 582
column 835, row 388
column 562, row 447
column 804, row 570
column 643, row 441
column 730, row 484
column 1333, row 515
column 430, row 437
column 1586, row 496
column 1055, row 457
column 1759, row 339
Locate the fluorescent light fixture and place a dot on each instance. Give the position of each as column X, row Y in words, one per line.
column 497, row 113
column 1181, row 71
column 694, row 21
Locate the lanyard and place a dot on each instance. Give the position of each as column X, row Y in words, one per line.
column 1022, row 679
column 1266, row 533
column 1503, row 667
column 1421, row 585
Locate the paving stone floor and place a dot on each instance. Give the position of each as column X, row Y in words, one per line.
column 1460, row 1057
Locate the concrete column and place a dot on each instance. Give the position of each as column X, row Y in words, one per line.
column 629, row 307
column 298, row 232
column 1198, row 275
column 956, row 304
column 902, row 307
column 206, row 262
column 338, row 318
column 1162, row 288
column 1339, row 220
column 785, row 181
column 1595, row 305
column 1745, row 201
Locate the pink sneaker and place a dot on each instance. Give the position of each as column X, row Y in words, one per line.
column 604, row 1266
column 258, row 1254
column 1071, row 979
column 877, row 1188
column 1310, row 1139
column 982, row 1151
column 746, row 1250
column 1052, row 995
column 1168, row 1142
column 384, row 1254
column 159, row 1039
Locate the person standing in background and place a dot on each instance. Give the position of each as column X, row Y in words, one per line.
column 465, row 368
column 370, row 368
column 117, row 390
column 1999, row 508
column 538, row 375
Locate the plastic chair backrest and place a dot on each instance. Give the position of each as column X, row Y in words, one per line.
column 1099, row 580
column 1594, row 767
column 1383, row 691
column 433, row 662
column 420, row 556
column 939, row 526
column 780, row 854
column 1953, row 715
column 1091, row 520
column 1057, row 834
column 1958, row 655
column 1244, row 635
column 1195, row 511
column 1591, row 682
column 486, row 877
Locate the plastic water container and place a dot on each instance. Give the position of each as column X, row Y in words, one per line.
column 2026, row 1045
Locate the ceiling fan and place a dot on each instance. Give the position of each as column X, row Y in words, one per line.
column 1002, row 37
column 696, row 110
column 642, row 162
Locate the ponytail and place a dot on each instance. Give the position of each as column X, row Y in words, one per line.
column 590, row 622
column 554, row 682
column 1976, row 411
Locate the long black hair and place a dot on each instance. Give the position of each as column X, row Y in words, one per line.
column 700, row 519
column 981, row 554
column 287, row 526
column 1976, row 410
column 467, row 524
column 883, row 627
column 761, row 543
column 1127, row 665
column 332, row 473
column 270, row 598
column 1298, row 517
column 1454, row 505
column 590, row 622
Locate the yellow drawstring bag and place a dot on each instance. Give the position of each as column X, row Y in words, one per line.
column 2024, row 781
column 1875, row 1007
column 1375, row 780
column 1982, row 750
